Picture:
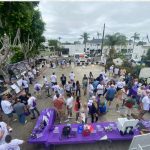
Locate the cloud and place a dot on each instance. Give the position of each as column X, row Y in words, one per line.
column 70, row 19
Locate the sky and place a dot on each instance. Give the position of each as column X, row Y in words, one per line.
column 69, row 19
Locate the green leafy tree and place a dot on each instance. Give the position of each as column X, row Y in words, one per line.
column 85, row 36
column 17, row 56
column 55, row 45
column 112, row 41
column 23, row 16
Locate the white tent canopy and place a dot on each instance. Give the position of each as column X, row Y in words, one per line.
column 118, row 61
column 145, row 72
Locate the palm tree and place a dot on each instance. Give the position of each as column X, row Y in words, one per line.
column 135, row 37
column 113, row 40
column 85, row 37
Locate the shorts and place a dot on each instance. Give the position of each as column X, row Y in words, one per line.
column 109, row 98
column 10, row 115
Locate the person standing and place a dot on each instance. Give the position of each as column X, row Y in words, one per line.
column 34, row 72
column 77, row 107
column 37, row 88
column 111, row 71
column 90, row 90
column 110, row 94
column 31, row 76
column 100, row 89
column 32, row 105
column 85, row 84
column 7, row 108
column 20, row 110
column 94, row 110
column 145, row 106
column 63, row 80
column 69, row 104
column 90, row 77
column 59, row 106
column 116, row 71
column 78, row 91
column 95, row 84
column 68, row 87
column 72, row 76
column 11, row 144
column 25, row 85
column 53, row 78
column 120, row 84
column 4, row 130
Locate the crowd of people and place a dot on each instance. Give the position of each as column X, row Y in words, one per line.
column 70, row 96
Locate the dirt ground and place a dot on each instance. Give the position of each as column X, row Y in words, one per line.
column 23, row 131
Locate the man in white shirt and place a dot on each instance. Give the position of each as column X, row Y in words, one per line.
column 53, row 78
column 37, row 88
column 31, row 76
column 90, row 90
column 69, row 103
column 11, row 144
column 7, row 108
column 145, row 106
column 116, row 71
column 68, row 87
column 100, row 89
column 34, row 72
column 25, row 85
column 32, row 105
column 111, row 70
column 72, row 76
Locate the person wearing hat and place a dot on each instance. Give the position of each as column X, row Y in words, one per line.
column 110, row 94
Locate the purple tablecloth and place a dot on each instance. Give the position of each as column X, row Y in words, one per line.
column 47, row 129
column 55, row 138
column 51, row 138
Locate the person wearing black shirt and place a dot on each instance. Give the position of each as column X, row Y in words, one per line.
column 23, row 98
column 63, row 79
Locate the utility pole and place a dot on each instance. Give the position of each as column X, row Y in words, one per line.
column 103, row 39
